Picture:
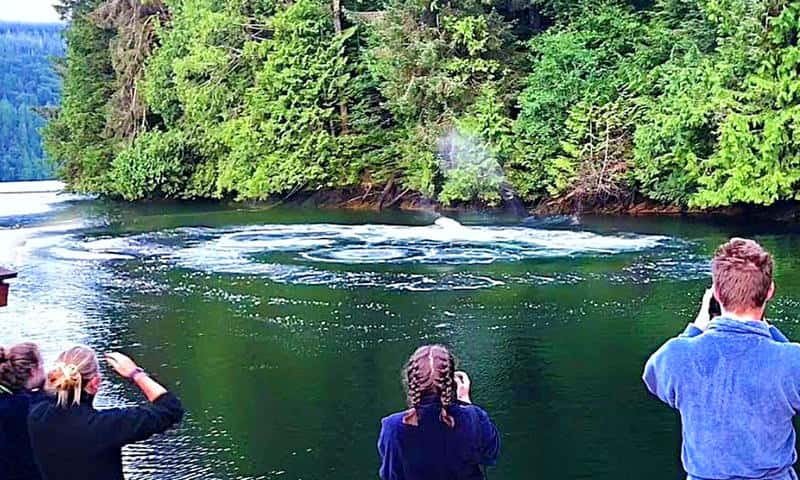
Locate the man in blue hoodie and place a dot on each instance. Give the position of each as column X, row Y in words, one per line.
column 735, row 379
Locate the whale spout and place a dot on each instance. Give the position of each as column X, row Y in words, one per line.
column 444, row 222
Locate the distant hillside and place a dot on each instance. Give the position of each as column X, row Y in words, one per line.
column 27, row 81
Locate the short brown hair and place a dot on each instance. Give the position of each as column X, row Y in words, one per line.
column 742, row 272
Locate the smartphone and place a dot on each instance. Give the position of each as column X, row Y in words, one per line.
column 714, row 308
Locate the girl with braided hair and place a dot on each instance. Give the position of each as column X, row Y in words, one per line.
column 21, row 378
column 73, row 441
column 442, row 435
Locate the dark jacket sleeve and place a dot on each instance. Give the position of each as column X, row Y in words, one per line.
column 391, row 465
column 490, row 440
column 122, row 426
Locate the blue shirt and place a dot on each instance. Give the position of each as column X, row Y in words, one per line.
column 434, row 451
column 737, row 388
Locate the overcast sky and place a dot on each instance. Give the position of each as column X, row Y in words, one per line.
column 37, row 11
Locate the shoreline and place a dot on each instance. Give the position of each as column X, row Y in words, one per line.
column 362, row 199
column 368, row 199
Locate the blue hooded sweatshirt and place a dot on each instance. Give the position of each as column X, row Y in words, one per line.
column 737, row 388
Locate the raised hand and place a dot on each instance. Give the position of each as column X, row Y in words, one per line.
column 703, row 316
column 463, row 384
column 122, row 364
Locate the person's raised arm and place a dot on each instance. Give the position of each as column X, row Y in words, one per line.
column 120, row 426
column 128, row 369
column 657, row 374
column 463, row 386
column 490, row 438
column 703, row 317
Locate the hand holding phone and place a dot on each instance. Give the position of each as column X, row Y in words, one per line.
column 704, row 315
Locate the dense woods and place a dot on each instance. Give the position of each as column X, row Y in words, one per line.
column 28, row 82
column 586, row 103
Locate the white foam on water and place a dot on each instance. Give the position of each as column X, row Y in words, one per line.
column 16, row 244
column 19, row 199
column 31, row 187
column 445, row 242
column 252, row 250
column 71, row 254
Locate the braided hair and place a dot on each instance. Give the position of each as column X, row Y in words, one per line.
column 18, row 364
column 430, row 371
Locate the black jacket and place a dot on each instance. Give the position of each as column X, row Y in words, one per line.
column 81, row 443
column 16, row 456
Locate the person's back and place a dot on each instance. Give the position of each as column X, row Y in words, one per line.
column 737, row 390
column 93, row 439
column 439, row 437
column 735, row 379
column 20, row 378
column 71, row 440
column 432, row 450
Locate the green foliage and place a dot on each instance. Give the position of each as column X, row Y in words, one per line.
column 291, row 133
column 588, row 62
column 757, row 158
column 687, row 102
column 156, row 165
column 76, row 138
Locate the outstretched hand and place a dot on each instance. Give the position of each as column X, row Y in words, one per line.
column 463, row 384
column 704, row 316
column 122, row 364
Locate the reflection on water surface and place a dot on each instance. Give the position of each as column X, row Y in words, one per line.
column 284, row 329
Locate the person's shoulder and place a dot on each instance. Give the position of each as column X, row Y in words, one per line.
column 679, row 346
column 41, row 406
column 393, row 421
column 37, row 397
column 392, row 427
column 471, row 409
column 789, row 350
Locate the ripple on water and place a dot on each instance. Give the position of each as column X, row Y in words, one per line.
column 256, row 250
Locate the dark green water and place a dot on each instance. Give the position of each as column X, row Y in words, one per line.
column 286, row 342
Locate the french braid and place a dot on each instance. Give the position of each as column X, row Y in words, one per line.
column 430, row 370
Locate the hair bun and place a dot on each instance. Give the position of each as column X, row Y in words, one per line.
column 65, row 377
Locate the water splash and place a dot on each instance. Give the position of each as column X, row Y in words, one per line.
column 305, row 253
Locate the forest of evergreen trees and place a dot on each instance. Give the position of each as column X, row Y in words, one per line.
column 694, row 103
column 28, row 83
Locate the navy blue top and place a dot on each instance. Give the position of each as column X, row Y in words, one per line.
column 737, row 388
column 81, row 443
column 16, row 456
column 434, row 451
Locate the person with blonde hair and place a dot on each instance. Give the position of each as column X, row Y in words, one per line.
column 21, row 379
column 72, row 440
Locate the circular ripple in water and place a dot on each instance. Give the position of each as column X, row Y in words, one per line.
column 376, row 254
column 457, row 255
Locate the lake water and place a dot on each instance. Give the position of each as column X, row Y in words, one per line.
column 284, row 329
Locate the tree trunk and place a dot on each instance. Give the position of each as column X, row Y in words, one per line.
column 337, row 25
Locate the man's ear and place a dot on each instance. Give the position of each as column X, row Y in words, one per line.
column 771, row 291
column 716, row 293
column 93, row 386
